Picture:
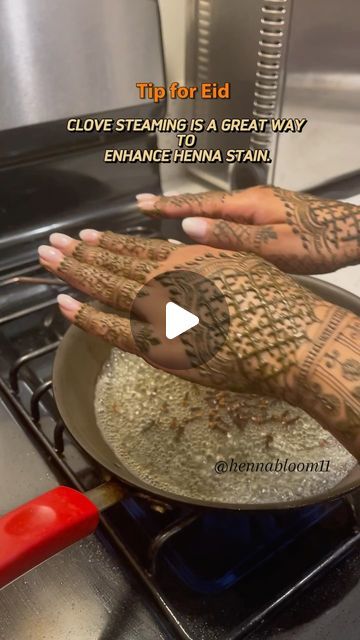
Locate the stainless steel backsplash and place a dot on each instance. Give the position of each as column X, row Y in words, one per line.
column 289, row 58
column 73, row 57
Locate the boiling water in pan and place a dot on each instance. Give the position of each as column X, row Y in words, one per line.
column 170, row 433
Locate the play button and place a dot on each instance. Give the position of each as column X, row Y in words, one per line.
column 178, row 320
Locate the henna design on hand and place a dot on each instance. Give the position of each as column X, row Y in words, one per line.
column 110, row 327
column 113, row 290
column 269, row 317
column 243, row 237
column 126, row 266
column 282, row 339
column 153, row 249
column 329, row 230
column 330, row 376
column 197, row 201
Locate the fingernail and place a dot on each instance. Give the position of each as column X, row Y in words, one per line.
column 60, row 240
column 49, row 254
column 147, row 205
column 68, row 303
column 145, row 196
column 89, row 235
column 195, row 227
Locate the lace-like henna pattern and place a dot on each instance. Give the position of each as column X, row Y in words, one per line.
column 232, row 237
column 113, row 329
column 126, row 266
column 243, row 237
column 110, row 289
column 271, row 320
column 269, row 317
column 135, row 246
column 329, row 230
column 304, row 264
column 331, row 373
column 197, row 201
column 116, row 330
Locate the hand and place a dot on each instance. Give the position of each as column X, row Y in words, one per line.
column 282, row 340
column 296, row 232
column 272, row 318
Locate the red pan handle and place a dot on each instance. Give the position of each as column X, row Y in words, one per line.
column 42, row 527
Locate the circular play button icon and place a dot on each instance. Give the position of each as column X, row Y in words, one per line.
column 179, row 320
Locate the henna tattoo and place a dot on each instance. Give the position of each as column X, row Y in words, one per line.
column 242, row 237
column 328, row 374
column 229, row 236
column 157, row 250
column 350, row 368
column 263, row 235
column 145, row 339
column 107, row 287
column 197, row 201
column 329, row 230
column 126, row 266
column 269, row 316
column 282, row 339
column 112, row 328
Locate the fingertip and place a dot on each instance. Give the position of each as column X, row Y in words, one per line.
column 60, row 240
column 90, row 235
column 68, row 306
column 147, row 206
column 196, row 228
column 142, row 197
column 50, row 255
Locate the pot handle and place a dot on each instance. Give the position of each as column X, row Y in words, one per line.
column 40, row 528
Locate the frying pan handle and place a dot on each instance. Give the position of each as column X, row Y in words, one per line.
column 42, row 527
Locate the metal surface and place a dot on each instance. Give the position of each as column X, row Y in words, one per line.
column 222, row 46
column 59, row 59
column 284, row 58
column 322, row 84
column 78, row 362
column 106, row 495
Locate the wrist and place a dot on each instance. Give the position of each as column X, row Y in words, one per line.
column 301, row 383
column 327, row 377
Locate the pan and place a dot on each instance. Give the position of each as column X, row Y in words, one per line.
column 35, row 531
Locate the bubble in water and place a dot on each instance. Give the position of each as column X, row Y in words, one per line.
column 170, row 432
